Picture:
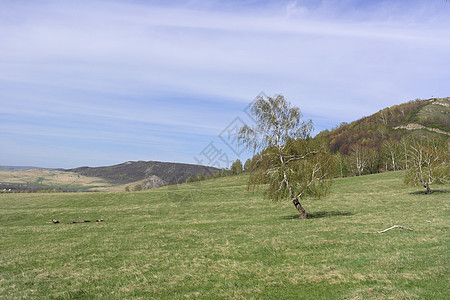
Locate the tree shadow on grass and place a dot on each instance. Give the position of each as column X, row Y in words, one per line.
column 322, row 214
column 432, row 192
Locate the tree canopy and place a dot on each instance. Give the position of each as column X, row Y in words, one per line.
column 429, row 161
column 293, row 164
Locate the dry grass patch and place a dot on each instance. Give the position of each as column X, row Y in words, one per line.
column 49, row 179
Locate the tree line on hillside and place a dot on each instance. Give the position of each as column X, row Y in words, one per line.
column 373, row 130
column 236, row 168
column 425, row 157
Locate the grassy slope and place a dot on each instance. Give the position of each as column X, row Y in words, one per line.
column 438, row 115
column 212, row 239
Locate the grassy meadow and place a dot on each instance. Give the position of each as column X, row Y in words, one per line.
column 216, row 240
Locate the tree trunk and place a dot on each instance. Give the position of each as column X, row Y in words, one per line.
column 302, row 211
column 425, row 185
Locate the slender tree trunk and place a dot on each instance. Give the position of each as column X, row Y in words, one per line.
column 425, row 185
column 301, row 210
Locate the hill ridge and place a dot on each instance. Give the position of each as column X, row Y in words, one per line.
column 391, row 123
column 132, row 171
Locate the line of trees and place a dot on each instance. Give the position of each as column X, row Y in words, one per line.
column 424, row 156
column 236, row 168
column 393, row 155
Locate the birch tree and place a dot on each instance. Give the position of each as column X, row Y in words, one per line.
column 391, row 153
column 288, row 160
column 359, row 158
column 341, row 165
column 404, row 150
column 429, row 162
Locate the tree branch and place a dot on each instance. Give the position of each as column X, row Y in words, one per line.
column 395, row 226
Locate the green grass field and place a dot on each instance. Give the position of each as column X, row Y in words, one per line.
column 215, row 240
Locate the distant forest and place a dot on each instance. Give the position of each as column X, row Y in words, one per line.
column 379, row 142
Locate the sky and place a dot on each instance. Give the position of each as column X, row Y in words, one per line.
column 94, row 83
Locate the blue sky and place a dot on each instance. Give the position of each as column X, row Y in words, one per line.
column 104, row 82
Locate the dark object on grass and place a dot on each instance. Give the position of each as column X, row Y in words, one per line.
column 74, row 222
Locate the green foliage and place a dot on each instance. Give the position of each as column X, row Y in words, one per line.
column 373, row 130
column 294, row 165
column 429, row 161
column 390, row 154
column 363, row 160
column 307, row 174
column 341, row 165
column 248, row 165
column 236, row 167
column 276, row 123
column 200, row 177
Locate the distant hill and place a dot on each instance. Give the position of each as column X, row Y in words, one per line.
column 133, row 171
column 432, row 115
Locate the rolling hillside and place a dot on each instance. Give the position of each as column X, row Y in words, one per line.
column 432, row 115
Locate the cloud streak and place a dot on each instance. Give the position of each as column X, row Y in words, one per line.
column 187, row 69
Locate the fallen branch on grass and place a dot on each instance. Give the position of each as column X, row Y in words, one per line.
column 395, row 226
column 74, row 222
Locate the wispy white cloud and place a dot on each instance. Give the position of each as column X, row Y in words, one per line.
column 132, row 63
